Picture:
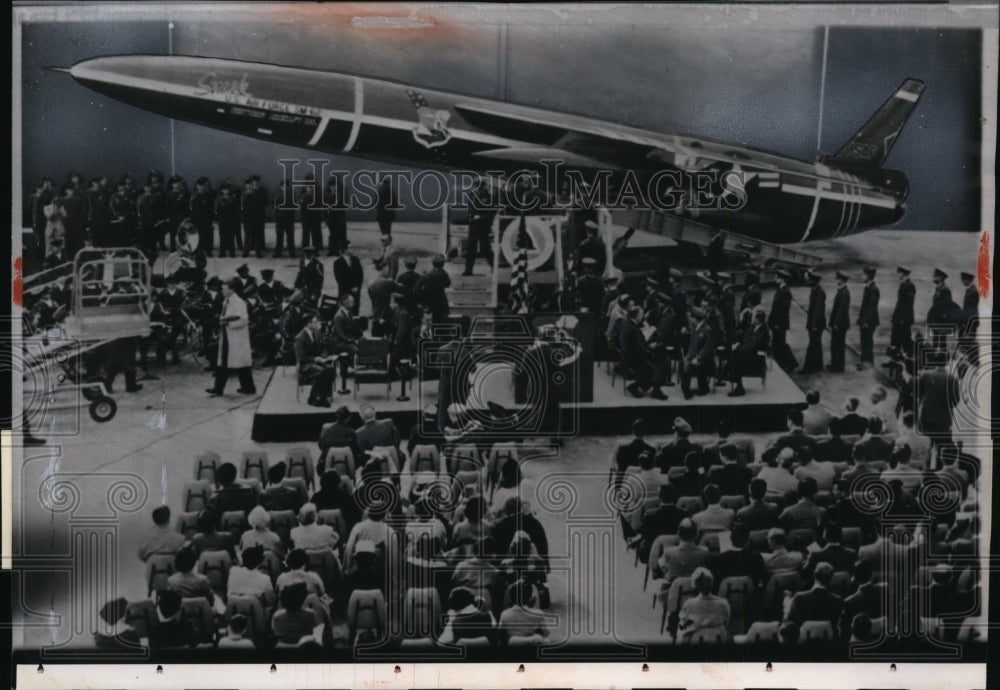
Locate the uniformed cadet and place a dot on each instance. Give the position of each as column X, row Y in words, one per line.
column 815, row 325
column 868, row 319
column 840, row 321
column 779, row 322
column 970, row 310
column 432, row 286
column 940, row 300
column 590, row 286
column 902, row 314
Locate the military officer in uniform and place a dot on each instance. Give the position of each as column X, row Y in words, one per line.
column 868, row 319
column 779, row 322
column 408, row 282
column 349, row 274
column 699, row 360
column 481, row 216
column 942, row 298
column 310, row 276
column 970, row 310
column 840, row 321
column 902, row 314
column 590, row 287
column 815, row 325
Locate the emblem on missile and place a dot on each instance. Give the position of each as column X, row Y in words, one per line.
column 432, row 124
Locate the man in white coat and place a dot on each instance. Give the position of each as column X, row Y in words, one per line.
column 234, row 343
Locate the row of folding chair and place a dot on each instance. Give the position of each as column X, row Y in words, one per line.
column 254, row 465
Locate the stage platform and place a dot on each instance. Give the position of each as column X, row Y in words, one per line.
column 282, row 418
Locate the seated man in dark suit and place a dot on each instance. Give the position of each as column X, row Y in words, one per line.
column 627, row 454
column 693, row 481
column 639, row 360
column 833, row 449
column 818, row 603
column 340, row 434
column 664, row 520
column 796, row 437
column 230, row 495
column 733, row 479
column 739, row 561
column 877, row 449
column 172, row 630
column 313, row 366
column 278, row 496
column 759, row 514
column 805, row 513
column 867, row 598
column 674, row 453
column 745, row 353
column 852, row 423
column 840, row 557
column 699, row 357
column 843, row 510
column 346, row 334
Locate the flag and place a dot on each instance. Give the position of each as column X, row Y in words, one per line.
column 519, row 272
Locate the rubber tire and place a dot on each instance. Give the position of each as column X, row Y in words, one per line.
column 95, row 406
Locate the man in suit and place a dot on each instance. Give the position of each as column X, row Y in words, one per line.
column 803, row 514
column 714, row 518
column 732, row 478
column 739, row 561
column 970, row 310
column 759, row 514
column 937, row 394
column 340, row 434
column 753, row 341
column 408, row 282
column 664, row 520
column 843, row 509
column 840, row 557
column 481, row 215
column 627, row 454
column 270, row 291
column 683, row 559
column 876, row 449
column 380, row 291
column 780, row 560
column 432, row 288
column 699, row 359
column 389, row 258
column 834, row 448
column 346, row 334
column 590, row 287
column 867, row 598
column 673, row 453
column 779, row 321
column 638, row 359
column 815, row 418
column 795, row 438
column 234, row 344
column 350, row 276
column 818, row 603
column 823, row 473
column 902, row 313
column 313, row 366
column 868, row 319
column 840, row 321
column 815, row 325
column 310, row 277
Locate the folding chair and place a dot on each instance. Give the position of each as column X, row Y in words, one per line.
column 741, row 594
column 324, row 562
column 335, row 518
column 425, row 458
column 691, row 504
column 215, row 566
column 777, row 585
column 840, row 583
column 205, row 465
column 282, row 522
column 816, row 632
column 373, row 364
column 300, row 464
column 760, row 632
column 253, row 610
column 655, row 551
column 341, row 460
column 201, row 613
column 850, row 537
column 256, row 465
column 187, row 524
column 159, row 567
column 299, row 484
column 196, row 495
column 799, row 539
column 733, row 502
column 141, row 617
column 681, row 589
column 234, row 522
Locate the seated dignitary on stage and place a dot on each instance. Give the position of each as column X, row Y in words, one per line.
column 313, row 366
column 755, row 339
column 638, row 360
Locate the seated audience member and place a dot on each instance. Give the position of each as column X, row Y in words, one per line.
column 425, row 522
column 472, row 528
column 425, row 431
column 704, row 613
column 843, row 509
column 478, row 574
column 365, row 571
column 867, row 597
column 468, row 618
column 711, row 453
column 815, row 418
column 627, row 454
column 522, row 563
column 795, row 438
column 250, row 579
column 805, row 513
column 944, row 597
column 664, row 520
column 309, row 534
column 208, row 538
column 818, row 603
column 674, row 453
column 852, row 423
column 861, row 629
column 739, row 561
column 777, row 474
column 823, row 473
column 948, row 459
column 425, row 566
column 780, row 560
column 234, row 637
column 260, row 533
column 733, row 477
column 880, row 406
column 714, row 518
column 516, row 518
column 336, row 493
column 292, row 622
column 185, row 581
column 920, row 444
column 651, row 479
column 376, row 432
column 860, row 467
column 116, row 634
column 692, row 481
column 230, row 495
column 340, row 434
column 297, row 562
column 877, row 449
column 681, row 560
column 278, row 496
column 523, row 618
column 834, row 449
column 759, row 514
column 171, row 630
column 788, row 634
column 509, row 486
column 909, row 477
column 372, row 529
column 840, row 557
column 161, row 539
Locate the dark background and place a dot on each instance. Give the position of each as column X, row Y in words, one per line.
column 756, row 87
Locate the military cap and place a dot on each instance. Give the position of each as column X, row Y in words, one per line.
column 438, row 260
column 812, row 276
column 966, row 276
column 410, row 262
column 266, row 273
column 785, row 275
column 869, row 272
column 939, row 274
column 902, row 271
column 242, row 270
column 842, row 276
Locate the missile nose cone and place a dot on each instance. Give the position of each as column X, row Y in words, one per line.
column 67, row 70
